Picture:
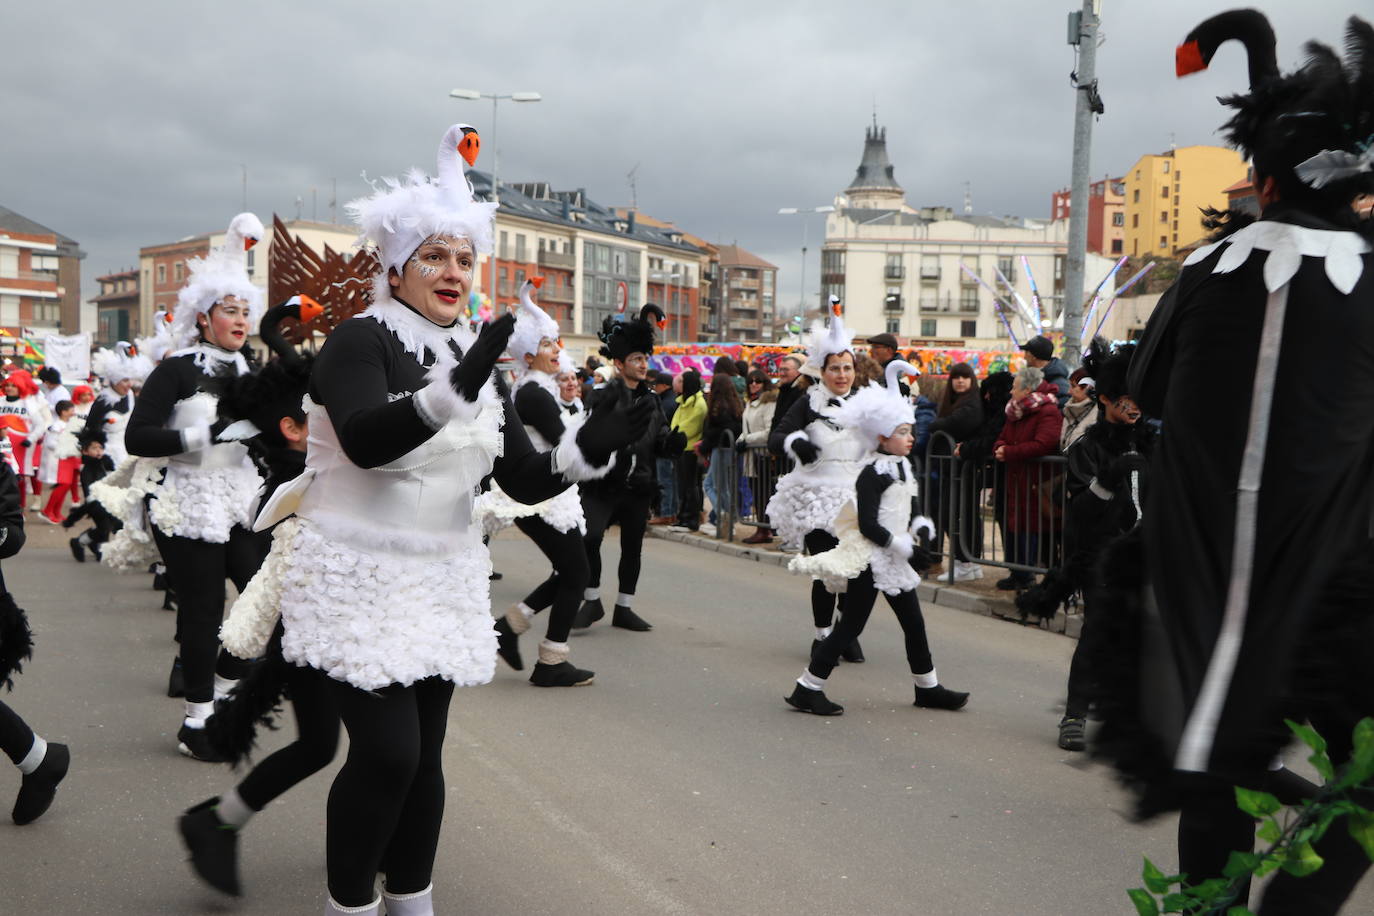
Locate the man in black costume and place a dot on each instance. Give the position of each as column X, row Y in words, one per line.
column 1257, row 577
column 626, row 495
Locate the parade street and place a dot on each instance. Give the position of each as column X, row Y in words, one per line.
column 678, row 783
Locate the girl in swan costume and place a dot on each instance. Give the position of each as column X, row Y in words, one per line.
column 555, row 525
column 876, row 549
column 200, row 490
column 121, row 368
column 381, row 577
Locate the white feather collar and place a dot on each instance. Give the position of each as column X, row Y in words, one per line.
column 542, row 379
column 1287, row 244
column 204, row 355
column 415, row 332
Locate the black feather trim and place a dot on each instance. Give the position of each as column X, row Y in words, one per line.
column 16, row 640
column 255, row 701
column 1043, row 600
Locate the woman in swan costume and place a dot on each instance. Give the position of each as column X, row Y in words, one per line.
column 381, row 576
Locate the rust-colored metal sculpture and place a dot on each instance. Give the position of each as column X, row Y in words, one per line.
column 341, row 283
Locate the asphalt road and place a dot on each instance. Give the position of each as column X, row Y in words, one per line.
column 678, row 783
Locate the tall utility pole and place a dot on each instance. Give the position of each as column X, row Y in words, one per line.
column 1082, row 34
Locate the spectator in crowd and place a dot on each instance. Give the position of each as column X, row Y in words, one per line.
column 724, row 415
column 53, row 390
column 791, row 384
column 760, row 469
column 666, row 388
column 724, row 365
column 1079, row 413
column 689, row 419
column 977, row 470
column 883, row 349
column 1031, row 431
column 742, row 370
column 958, row 417
column 1040, row 355
column 867, row 371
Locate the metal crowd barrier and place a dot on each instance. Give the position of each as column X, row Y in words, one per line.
column 1018, row 527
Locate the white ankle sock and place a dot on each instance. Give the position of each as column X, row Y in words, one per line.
column 34, row 758
column 233, row 810
column 823, row 632
column 420, row 903
column 624, row 600
column 370, row 909
column 197, row 713
column 591, row 594
column 926, row 680
column 810, row 681
column 525, row 609
column 223, row 685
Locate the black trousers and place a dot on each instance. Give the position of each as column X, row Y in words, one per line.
column 859, row 600
column 387, row 803
column 562, row 590
column 689, row 490
column 629, row 511
column 317, row 739
column 823, row 603
column 196, row 571
column 16, row 738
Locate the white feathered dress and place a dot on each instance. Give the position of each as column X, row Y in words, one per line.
column 810, row 496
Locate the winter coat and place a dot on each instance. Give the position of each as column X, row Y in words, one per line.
column 714, row 429
column 758, row 423
column 1057, row 374
column 1034, row 435
column 920, row 429
column 1078, row 416
column 690, row 418
column 787, row 396
column 962, row 422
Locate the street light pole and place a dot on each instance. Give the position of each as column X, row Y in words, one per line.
column 1083, row 34
column 473, row 95
column 806, row 225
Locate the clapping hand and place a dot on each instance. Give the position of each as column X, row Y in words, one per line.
column 475, row 368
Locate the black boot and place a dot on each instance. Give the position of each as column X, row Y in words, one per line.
column 38, row 788
column 1072, row 733
column 214, row 847
column 853, row 653
column 563, row 674
column 159, row 582
column 508, row 645
column 589, row 613
column 176, row 682
column 627, row 619
column 813, row 701
column 78, row 551
column 939, row 697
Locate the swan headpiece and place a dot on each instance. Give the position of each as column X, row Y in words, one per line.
column 223, row 272
column 160, row 343
column 532, row 324
column 826, row 341
column 403, row 213
column 122, row 362
column 632, row 335
column 877, row 411
column 1107, row 368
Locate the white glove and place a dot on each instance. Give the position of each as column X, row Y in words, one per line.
column 922, row 523
column 901, row 545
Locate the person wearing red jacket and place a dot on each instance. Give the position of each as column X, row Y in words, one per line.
column 1031, row 431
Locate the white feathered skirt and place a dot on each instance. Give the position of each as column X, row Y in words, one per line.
column 495, row 511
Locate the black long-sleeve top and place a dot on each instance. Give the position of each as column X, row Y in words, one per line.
column 11, row 514
column 102, row 408
column 365, row 379
column 868, row 491
column 634, row 466
column 539, row 409
column 174, row 380
column 713, row 433
column 93, row 470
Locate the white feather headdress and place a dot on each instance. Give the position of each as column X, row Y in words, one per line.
column 160, row 343
column 223, row 272
column 532, row 324
column 123, row 362
column 403, row 213
column 875, row 410
column 826, row 341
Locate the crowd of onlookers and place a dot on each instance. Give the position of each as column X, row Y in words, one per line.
column 1002, row 423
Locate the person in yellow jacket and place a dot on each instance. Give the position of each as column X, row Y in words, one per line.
column 689, row 419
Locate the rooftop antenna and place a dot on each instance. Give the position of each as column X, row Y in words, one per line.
column 968, row 198
column 634, row 198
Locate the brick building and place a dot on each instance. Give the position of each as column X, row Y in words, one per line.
column 1106, row 214
column 117, row 308
column 747, row 285
column 40, row 277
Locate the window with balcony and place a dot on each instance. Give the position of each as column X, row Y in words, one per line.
column 520, row 246
column 892, row 268
column 968, row 299
column 9, row 310
column 9, row 262
column 894, row 325
column 503, row 251
column 930, row 267
column 927, row 327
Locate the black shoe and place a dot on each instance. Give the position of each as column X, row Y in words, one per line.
column 159, row 582
column 37, row 790
column 508, row 645
column 1071, row 733
column 214, row 847
column 563, row 674
column 589, row 613
column 176, row 681
column 169, row 600
column 195, row 743
column 78, row 552
column 939, row 697
column 1014, row 584
column 627, row 619
column 813, row 701
column 494, row 577
column 853, row 653
column 95, row 549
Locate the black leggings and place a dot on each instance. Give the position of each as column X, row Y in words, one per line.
column 563, row 588
column 317, row 738
column 632, row 514
column 387, row 803
column 16, row 738
column 822, row 601
column 858, row 605
column 196, row 571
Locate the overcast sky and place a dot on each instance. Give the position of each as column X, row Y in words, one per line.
column 124, row 128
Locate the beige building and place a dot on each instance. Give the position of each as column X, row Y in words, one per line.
column 1165, row 195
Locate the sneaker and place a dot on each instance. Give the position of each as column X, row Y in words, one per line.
column 38, row 788
column 176, row 681
column 508, row 645
column 1071, row 733
column 627, row 619
column 589, row 613
column 195, row 743
column 51, row 520
column 78, row 551
column 967, row 572
column 563, row 674
column 939, row 697
column 814, row 702
column 214, row 847
column 708, row 529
